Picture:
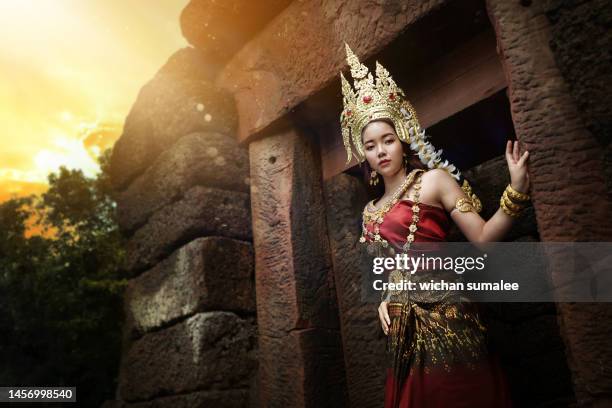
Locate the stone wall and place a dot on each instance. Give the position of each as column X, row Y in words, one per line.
column 566, row 166
column 182, row 182
column 581, row 42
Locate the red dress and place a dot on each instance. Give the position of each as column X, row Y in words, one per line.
column 437, row 351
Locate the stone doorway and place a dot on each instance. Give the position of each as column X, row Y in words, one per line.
column 459, row 90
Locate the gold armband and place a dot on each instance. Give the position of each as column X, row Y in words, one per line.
column 464, row 205
column 471, row 203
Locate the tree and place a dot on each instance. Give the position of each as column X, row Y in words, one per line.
column 61, row 295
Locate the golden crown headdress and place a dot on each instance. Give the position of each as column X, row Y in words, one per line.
column 381, row 98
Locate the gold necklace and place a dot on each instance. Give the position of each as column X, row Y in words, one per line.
column 378, row 216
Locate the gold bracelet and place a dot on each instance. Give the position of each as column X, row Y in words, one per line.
column 513, row 214
column 516, row 195
column 516, row 207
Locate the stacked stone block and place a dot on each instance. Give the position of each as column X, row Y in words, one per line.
column 182, row 186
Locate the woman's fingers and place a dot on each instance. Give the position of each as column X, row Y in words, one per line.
column 509, row 150
column 386, row 313
column 383, row 324
column 383, row 315
column 523, row 158
column 516, row 150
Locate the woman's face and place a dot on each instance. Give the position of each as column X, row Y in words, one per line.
column 383, row 149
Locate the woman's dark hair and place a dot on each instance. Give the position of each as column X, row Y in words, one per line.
column 379, row 189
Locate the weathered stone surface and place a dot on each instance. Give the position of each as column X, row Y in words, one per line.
column 207, row 159
column 607, row 154
column 566, row 172
column 201, row 212
column 565, row 160
column 362, row 337
column 587, row 330
column 192, row 63
column 581, row 43
column 299, row 338
column 206, row 274
column 205, row 23
column 307, row 371
column 168, row 107
column 264, row 76
column 211, row 350
column 488, row 181
column 199, row 399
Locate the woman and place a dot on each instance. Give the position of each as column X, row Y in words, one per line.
column 436, row 341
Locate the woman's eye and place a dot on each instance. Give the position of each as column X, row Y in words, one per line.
column 389, row 141
column 369, row 147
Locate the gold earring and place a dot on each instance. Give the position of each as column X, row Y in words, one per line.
column 373, row 178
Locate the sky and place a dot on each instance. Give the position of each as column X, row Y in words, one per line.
column 70, row 71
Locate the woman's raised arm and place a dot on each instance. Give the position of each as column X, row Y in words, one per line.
column 473, row 226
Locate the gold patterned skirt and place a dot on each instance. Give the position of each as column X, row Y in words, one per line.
column 438, row 357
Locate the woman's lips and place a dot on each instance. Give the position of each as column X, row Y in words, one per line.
column 384, row 163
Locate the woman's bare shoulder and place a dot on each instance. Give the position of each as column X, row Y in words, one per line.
column 437, row 181
column 437, row 174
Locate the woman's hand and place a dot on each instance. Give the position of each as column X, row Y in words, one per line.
column 383, row 314
column 517, row 166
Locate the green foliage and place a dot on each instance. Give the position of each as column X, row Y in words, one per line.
column 61, row 296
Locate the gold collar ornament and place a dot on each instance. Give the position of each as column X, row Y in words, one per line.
column 381, row 98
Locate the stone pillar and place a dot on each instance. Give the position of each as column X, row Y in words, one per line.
column 182, row 191
column 568, row 188
column 300, row 351
column 362, row 337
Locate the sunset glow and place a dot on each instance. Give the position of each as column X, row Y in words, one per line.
column 70, row 72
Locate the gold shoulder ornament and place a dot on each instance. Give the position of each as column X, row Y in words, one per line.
column 469, row 203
